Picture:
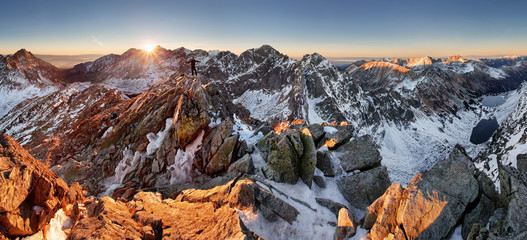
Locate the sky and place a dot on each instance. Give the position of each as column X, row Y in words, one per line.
column 372, row 28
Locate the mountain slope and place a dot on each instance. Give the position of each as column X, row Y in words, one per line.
column 22, row 76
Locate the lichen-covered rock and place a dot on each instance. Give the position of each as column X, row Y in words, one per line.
column 282, row 159
column 480, row 211
column 243, row 165
column 30, row 193
column 360, row 153
column 363, row 188
column 223, row 157
column 309, row 157
column 190, row 115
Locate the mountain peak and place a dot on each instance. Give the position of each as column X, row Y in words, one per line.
column 383, row 64
column 418, row 61
column 23, row 53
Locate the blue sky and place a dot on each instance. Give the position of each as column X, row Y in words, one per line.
column 333, row 28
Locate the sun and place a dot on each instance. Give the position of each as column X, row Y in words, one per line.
column 149, row 47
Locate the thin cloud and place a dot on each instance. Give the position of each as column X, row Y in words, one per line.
column 95, row 40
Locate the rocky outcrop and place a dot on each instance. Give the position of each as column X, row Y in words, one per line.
column 289, row 156
column 194, row 214
column 325, row 164
column 335, row 139
column 360, row 153
column 521, row 162
column 431, row 205
column 361, row 189
column 509, row 222
column 480, row 211
column 30, row 193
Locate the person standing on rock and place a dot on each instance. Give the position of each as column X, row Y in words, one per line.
column 193, row 66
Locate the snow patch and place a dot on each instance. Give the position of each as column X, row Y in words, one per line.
column 247, row 134
column 266, row 105
column 182, row 170
column 155, row 140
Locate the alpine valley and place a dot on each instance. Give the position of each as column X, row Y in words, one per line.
column 262, row 146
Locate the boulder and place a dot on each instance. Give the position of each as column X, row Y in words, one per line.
column 480, row 211
column 281, row 155
column 325, row 164
column 381, row 216
column 243, row 165
column 30, row 193
column 521, row 162
column 431, row 205
column 513, row 184
column 246, row 195
column 309, row 157
column 333, row 206
column 317, row 132
column 335, row 139
column 190, row 115
column 360, row 153
column 346, row 226
column 223, row 157
column 438, row 202
column 319, row 181
column 363, row 188
column 478, row 215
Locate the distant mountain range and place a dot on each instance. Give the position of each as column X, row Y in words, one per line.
column 134, row 121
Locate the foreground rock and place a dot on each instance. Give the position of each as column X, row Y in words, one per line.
column 430, row 206
column 30, row 193
column 194, row 214
column 289, row 156
column 360, row 153
column 346, row 226
column 507, row 222
column 361, row 189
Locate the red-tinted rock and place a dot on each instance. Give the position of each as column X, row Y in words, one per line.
column 30, row 193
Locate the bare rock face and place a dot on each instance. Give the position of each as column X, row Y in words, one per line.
column 360, row 153
column 194, row 214
column 361, row 189
column 109, row 219
column 430, row 206
column 381, row 215
column 336, row 139
column 30, row 193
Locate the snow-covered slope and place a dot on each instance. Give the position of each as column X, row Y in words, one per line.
column 510, row 139
column 23, row 76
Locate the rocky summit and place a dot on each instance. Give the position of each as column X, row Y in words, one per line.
column 261, row 146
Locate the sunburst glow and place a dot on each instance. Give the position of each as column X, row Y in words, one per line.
column 149, row 47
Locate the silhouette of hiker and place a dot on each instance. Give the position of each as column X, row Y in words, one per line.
column 193, row 66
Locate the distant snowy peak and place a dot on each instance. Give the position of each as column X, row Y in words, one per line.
column 382, row 64
column 418, row 62
column 25, row 66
